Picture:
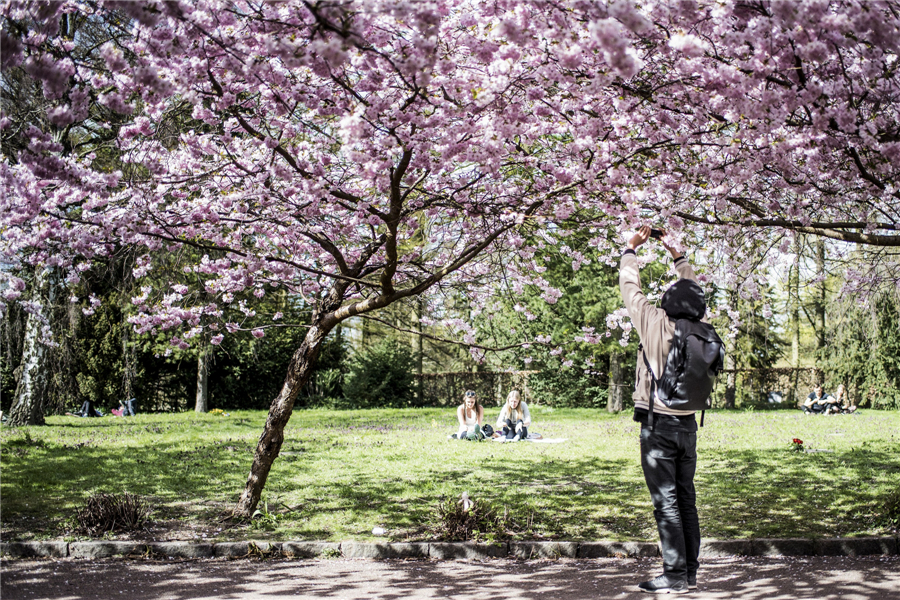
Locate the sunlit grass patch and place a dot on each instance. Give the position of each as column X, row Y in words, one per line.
column 342, row 473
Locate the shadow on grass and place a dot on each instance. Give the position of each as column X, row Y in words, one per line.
column 741, row 493
column 541, row 498
column 778, row 493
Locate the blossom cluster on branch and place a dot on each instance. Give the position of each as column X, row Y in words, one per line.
column 361, row 153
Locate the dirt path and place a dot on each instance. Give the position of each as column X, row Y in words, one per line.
column 756, row 578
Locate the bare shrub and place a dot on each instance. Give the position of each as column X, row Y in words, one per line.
column 471, row 519
column 112, row 512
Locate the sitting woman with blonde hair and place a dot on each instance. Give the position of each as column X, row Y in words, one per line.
column 514, row 418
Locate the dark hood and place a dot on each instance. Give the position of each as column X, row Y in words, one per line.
column 684, row 300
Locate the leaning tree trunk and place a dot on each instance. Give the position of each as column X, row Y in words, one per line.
column 34, row 382
column 301, row 368
column 615, row 401
column 202, row 403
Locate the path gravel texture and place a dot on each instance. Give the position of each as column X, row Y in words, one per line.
column 746, row 578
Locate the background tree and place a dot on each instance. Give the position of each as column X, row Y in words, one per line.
column 572, row 359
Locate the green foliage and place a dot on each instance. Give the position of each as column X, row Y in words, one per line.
column 11, row 326
column 263, row 518
column 381, row 375
column 327, row 383
column 863, row 351
column 248, row 373
column 589, row 295
column 98, row 355
column 757, row 345
column 569, row 388
column 890, row 515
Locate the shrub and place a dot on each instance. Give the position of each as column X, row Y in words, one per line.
column 382, row 376
column 569, row 388
column 470, row 519
column 890, row 515
column 111, row 512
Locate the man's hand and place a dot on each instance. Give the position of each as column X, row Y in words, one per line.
column 643, row 235
column 675, row 253
column 639, row 238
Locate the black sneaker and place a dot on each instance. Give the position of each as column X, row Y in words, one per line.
column 692, row 581
column 664, row 585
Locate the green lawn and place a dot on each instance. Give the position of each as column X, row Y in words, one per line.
column 341, row 473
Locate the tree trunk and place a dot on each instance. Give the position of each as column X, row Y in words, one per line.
column 301, row 368
column 615, row 401
column 794, row 296
column 820, row 309
column 730, row 379
column 419, row 349
column 31, row 391
column 202, row 404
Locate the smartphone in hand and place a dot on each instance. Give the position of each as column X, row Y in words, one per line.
column 656, row 234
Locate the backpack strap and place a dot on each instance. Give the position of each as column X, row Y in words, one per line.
column 652, row 386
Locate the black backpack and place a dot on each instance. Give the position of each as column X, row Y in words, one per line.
column 696, row 357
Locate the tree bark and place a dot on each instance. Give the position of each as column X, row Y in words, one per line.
column 301, row 368
column 615, row 401
column 419, row 349
column 794, row 296
column 821, row 289
column 730, row 379
column 202, row 403
column 31, row 391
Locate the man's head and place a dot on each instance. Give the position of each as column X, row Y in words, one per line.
column 684, row 300
column 818, row 390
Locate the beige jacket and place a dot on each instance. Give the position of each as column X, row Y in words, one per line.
column 653, row 326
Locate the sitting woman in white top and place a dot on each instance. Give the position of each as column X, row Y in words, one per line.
column 514, row 418
column 470, row 415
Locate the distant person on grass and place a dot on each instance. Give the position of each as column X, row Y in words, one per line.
column 87, row 410
column 470, row 415
column 843, row 400
column 127, row 407
column 669, row 448
column 514, row 418
column 817, row 402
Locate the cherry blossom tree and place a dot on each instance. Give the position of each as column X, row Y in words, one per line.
column 362, row 154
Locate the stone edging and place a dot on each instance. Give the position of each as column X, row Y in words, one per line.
column 446, row 550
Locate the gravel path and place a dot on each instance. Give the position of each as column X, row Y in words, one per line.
column 750, row 578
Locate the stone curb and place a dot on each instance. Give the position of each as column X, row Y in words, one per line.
column 446, row 550
column 466, row 550
column 617, row 549
column 528, row 550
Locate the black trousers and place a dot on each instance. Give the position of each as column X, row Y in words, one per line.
column 669, row 461
column 87, row 410
column 509, row 430
column 128, row 407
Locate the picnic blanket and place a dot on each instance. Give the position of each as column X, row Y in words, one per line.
column 535, row 437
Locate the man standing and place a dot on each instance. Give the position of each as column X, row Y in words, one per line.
column 669, row 443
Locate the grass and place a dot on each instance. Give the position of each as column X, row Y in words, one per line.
column 341, row 473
